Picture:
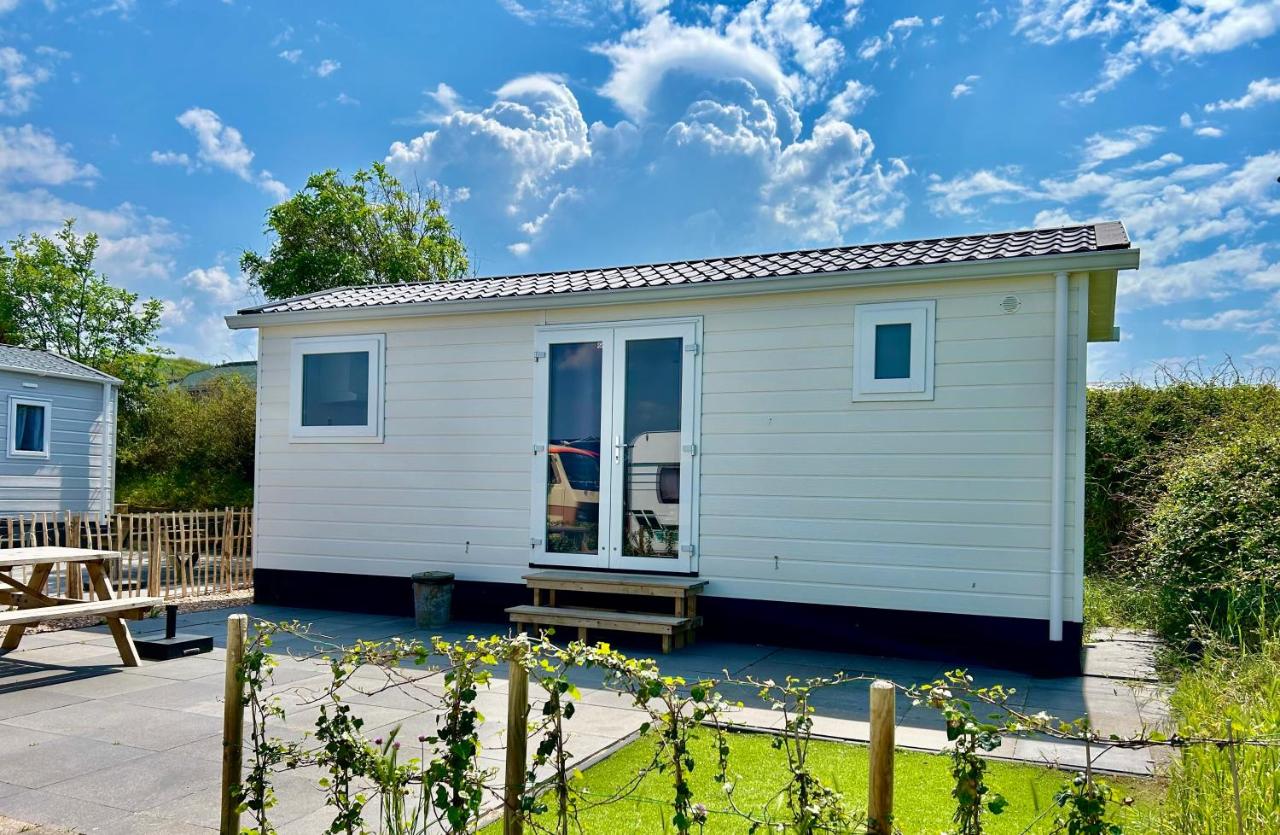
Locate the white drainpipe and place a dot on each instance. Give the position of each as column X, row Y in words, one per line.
column 1057, row 514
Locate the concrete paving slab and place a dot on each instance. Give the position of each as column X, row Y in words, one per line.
column 156, row 729
column 20, row 702
column 141, row 784
column 142, row 823
column 57, row 759
column 44, row 807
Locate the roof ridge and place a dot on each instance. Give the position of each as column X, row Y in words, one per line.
column 971, row 247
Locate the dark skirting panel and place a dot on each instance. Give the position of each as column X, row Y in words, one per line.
column 960, row 640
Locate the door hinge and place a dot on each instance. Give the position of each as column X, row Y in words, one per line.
column 692, row 449
column 691, row 347
column 534, row 543
column 539, row 355
column 691, row 550
column 538, row 448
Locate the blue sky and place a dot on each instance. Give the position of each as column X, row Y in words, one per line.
column 571, row 133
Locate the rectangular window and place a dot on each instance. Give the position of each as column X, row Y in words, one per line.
column 336, row 391
column 29, row 427
column 893, row 351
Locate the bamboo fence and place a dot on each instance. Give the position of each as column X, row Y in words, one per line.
column 176, row 554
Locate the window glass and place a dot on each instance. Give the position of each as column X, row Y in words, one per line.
column 335, row 389
column 28, row 428
column 893, row 351
column 575, row 381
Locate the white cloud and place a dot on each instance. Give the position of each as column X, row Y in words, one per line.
column 519, row 248
column 293, row 56
column 171, row 158
column 897, row 32
column 220, row 145
column 852, row 13
column 965, row 87
column 772, row 43
column 31, row 155
column 19, row 79
column 1249, row 320
column 1262, row 91
column 849, row 101
column 955, row 196
column 346, row 101
column 327, row 67
column 1100, row 148
column 1210, row 132
column 174, row 312
column 216, row 283
column 988, row 17
column 580, row 12
column 533, row 133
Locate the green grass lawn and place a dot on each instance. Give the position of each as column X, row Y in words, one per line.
column 922, row 787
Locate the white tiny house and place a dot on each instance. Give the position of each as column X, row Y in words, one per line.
column 876, row 445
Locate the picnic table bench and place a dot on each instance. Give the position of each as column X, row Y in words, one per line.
column 33, row 605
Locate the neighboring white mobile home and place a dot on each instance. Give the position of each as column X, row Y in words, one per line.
column 876, row 445
column 58, row 418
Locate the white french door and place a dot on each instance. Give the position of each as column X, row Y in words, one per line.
column 615, row 435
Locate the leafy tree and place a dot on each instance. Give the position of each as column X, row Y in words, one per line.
column 371, row 230
column 53, row 299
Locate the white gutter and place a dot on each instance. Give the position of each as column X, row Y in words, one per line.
column 1057, row 514
column 1118, row 259
column 110, row 413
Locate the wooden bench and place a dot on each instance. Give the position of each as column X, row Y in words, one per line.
column 677, row 628
column 35, row 606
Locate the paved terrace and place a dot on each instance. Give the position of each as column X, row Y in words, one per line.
column 90, row 746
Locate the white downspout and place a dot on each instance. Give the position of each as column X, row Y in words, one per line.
column 1057, row 513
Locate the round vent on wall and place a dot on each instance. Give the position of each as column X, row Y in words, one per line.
column 1009, row 304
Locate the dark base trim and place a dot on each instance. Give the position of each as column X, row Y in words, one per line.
column 958, row 640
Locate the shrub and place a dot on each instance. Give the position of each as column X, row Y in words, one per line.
column 1212, row 544
column 1135, row 432
column 184, row 451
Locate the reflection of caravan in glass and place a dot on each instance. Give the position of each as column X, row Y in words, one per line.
column 573, row 497
column 653, row 492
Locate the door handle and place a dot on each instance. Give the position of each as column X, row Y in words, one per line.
column 617, row 449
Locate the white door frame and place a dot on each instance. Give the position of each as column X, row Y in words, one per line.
column 613, row 337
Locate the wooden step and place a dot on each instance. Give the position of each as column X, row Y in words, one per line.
column 648, row 585
column 125, row 607
column 602, row 619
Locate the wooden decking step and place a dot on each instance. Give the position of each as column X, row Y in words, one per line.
column 651, row 585
column 654, row 624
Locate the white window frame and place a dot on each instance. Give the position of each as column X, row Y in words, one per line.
column 372, row 432
column 920, row 315
column 15, row 401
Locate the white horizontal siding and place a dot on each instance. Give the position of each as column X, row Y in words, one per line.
column 938, row 505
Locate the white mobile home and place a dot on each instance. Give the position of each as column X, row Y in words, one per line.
column 875, row 445
column 58, row 418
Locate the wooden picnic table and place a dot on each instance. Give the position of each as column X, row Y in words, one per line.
column 32, row 604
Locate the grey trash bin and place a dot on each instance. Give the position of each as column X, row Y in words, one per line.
column 432, row 598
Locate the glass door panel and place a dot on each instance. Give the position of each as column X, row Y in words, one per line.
column 575, row 372
column 650, row 452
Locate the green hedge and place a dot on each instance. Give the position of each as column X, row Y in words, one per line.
column 1183, row 505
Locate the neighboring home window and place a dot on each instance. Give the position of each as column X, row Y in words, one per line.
column 29, row 427
column 893, row 351
column 336, row 389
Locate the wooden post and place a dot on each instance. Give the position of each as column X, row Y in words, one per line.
column 880, row 789
column 233, row 723
column 75, row 590
column 517, row 743
column 153, row 555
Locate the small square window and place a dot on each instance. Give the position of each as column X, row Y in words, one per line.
column 29, row 427
column 336, row 389
column 893, row 351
